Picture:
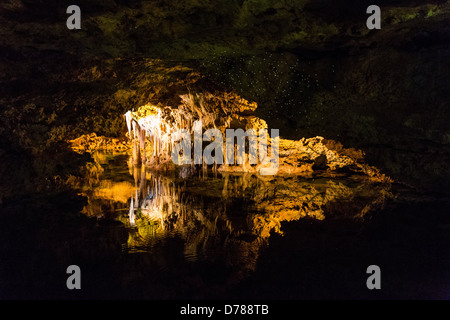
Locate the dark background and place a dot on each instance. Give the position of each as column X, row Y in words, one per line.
column 312, row 67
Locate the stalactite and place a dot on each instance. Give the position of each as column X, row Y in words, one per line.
column 136, row 154
column 194, row 114
column 134, row 129
column 128, row 121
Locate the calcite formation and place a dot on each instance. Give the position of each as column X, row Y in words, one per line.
column 154, row 126
column 151, row 129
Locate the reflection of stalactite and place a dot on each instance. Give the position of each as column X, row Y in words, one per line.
column 174, row 205
column 161, row 199
column 131, row 213
column 226, row 220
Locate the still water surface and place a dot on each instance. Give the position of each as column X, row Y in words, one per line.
column 218, row 216
column 146, row 235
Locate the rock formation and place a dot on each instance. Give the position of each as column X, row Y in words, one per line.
column 154, row 126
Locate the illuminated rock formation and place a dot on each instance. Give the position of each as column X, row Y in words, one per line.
column 156, row 125
column 202, row 210
column 151, row 129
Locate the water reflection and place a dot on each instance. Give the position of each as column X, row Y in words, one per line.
column 222, row 218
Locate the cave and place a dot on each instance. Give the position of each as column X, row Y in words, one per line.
column 117, row 152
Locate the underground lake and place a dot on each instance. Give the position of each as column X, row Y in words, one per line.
column 243, row 150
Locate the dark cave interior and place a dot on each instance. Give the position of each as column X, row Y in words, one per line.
column 312, row 67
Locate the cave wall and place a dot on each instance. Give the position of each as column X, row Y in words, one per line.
column 312, row 66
